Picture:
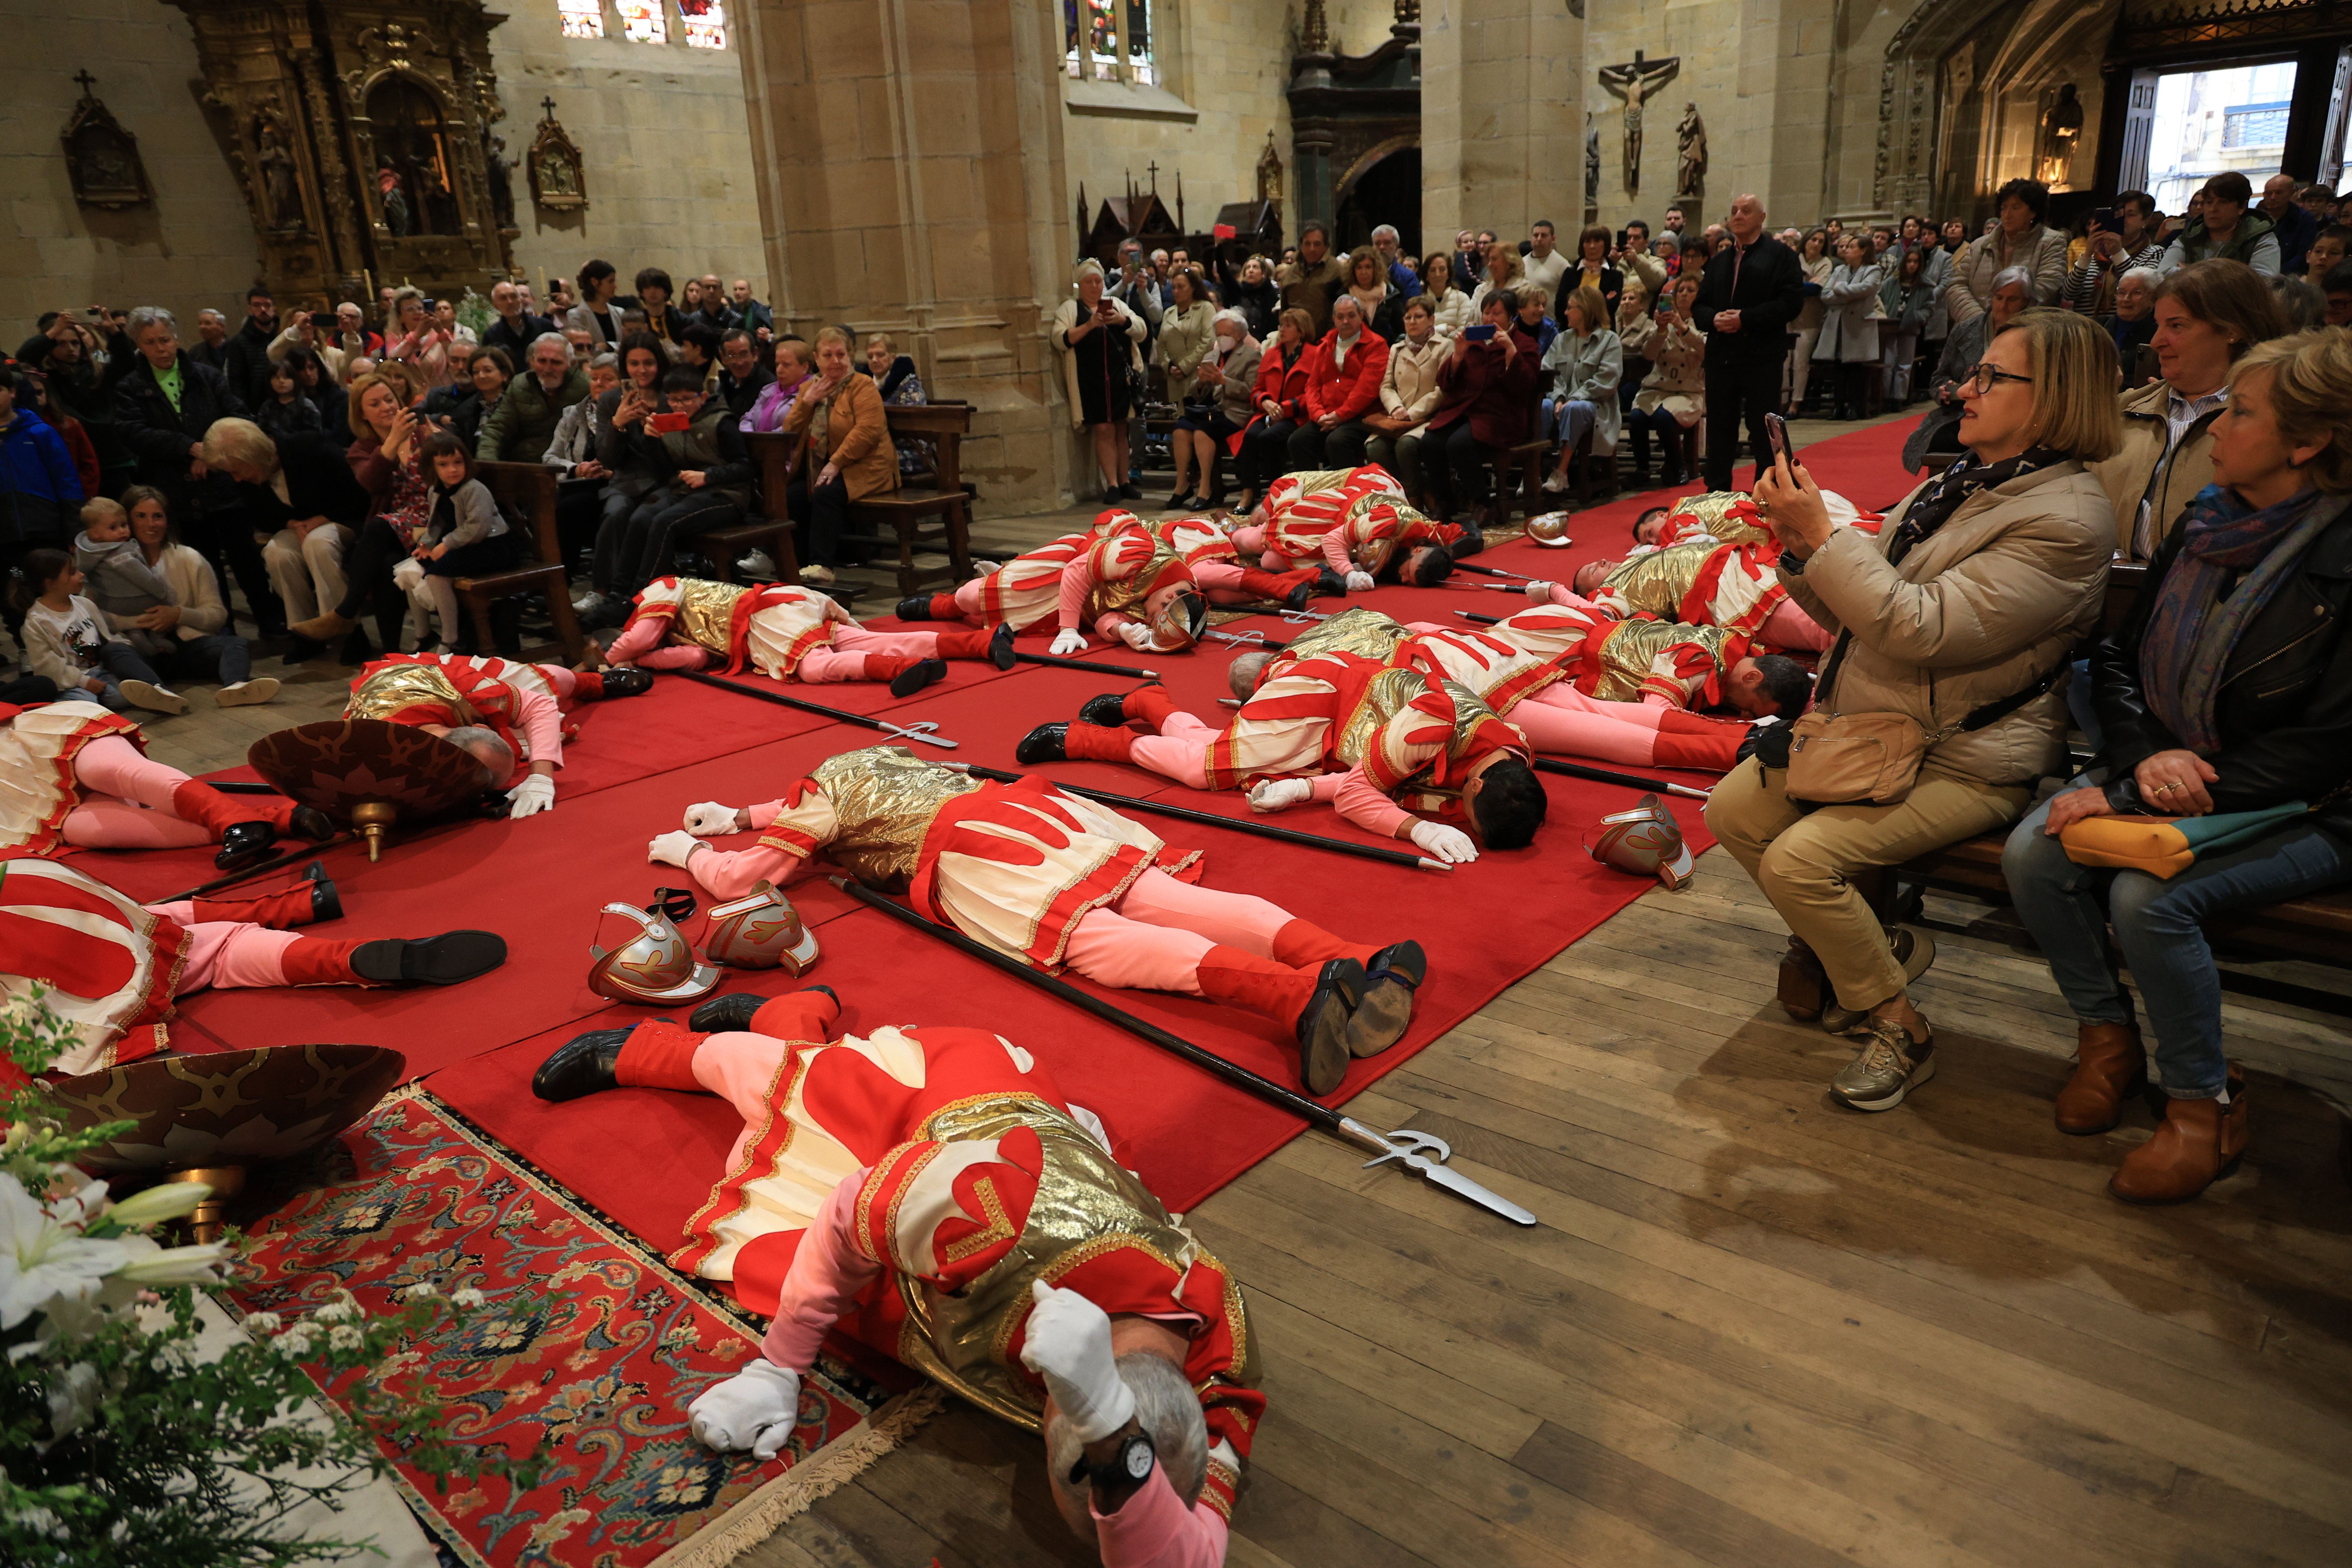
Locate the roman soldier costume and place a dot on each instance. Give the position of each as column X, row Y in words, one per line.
column 1348, row 519
column 1101, row 581
column 1637, row 660
column 1703, row 582
column 911, row 1188
column 525, row 705
column 784, row 631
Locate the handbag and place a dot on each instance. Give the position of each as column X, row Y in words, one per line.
column 1838, row 759
column 2164, row 847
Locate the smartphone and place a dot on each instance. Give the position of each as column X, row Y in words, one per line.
column 1481, row 333
column 2105, row 217
column 667, row 424
column 1776, row 433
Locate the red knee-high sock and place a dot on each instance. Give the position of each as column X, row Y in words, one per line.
column 797, row 1016
column 943, row 609
column 285, row 910
column 1276, row 585
column 1303, row 945
column 1149, row 703
column 215, row 813
column 657, row 1054
column 587, row 685
column 1099, row 743
column 314, row 961
column 1682, row 721
column 888, row 665
column 1261, row 985
column 961, row 643
column 1715, row 752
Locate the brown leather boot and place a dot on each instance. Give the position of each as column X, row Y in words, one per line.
column 2109, row 1063
column 2198, row 1143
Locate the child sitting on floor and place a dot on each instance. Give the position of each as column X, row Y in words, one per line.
column 466, row 536
column 67, row 639
column 121, row 581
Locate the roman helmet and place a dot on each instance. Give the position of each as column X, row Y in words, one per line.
column 1179, row 622
column 1645, row 841
column 657, row 965
column 1550, row 530
column 760, row 931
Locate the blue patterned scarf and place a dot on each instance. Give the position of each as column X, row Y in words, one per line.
column 2198, row 616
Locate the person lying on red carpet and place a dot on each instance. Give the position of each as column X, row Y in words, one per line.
column 1528, row 687
column 931, row 1193
column 1358, row 732
column 1703, row 582
column 1217, row 564
column 1116, row 580
column 1356, row 523
column 1731, row 517
column 73, row 774
column 1663, row 664
column 512, row 716
column 1054, row 879
column 787, row 632
column 111, row 967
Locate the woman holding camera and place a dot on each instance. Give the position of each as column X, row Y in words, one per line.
column 2228, row 690
column 1097, row 336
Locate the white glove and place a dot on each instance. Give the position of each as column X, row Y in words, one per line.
column 672, row 849
column 1440, row 842
column 709, row 819
column 1279, row 795
column 1068, row 640
column 1359, row 582
column 1069, row 1347
column 756, row 1409
column 534, row 795
column 1539, row 592
column 1136, row 635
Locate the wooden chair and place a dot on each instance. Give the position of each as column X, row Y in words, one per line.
column 776, row 457
column 1583, row 472
column 936, row 517
column 1518, row 479
column 526, row 493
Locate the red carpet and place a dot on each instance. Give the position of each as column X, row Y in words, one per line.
column 646, row 1158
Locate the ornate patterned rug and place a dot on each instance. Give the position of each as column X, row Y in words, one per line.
column 589, row 1349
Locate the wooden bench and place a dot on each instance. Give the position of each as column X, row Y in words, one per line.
column 2316, row 930
column 526, row 493
column 775, row 456
column 935, row 517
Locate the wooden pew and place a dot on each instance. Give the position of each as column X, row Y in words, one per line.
column 526, row 493
column 936, row 516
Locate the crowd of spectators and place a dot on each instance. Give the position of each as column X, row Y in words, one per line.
column 324, row 462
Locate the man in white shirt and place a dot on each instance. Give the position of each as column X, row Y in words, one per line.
column 1545, row 266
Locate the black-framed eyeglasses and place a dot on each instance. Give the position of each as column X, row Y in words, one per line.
column 1984, row 375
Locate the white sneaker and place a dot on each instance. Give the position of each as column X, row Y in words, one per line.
column 154, row 698
column 817, row 576
column 757, row 565
column 1555, row 483
column 246, row 693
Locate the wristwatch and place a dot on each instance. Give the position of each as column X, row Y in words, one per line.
column 1129, row 1466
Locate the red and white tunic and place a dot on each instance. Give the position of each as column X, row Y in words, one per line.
column 769, row 629
column 1302, row 508
column 518, row 702
column 1702, row 582
column 1500, row 670
column 1662, row 663
column 1026, row 589
column 1194, row 540
column 37, row 791
column 106, row 965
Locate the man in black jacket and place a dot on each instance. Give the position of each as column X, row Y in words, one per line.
column 163, row 406
column 245, row 358
column 516, row 328
column 1752, row 290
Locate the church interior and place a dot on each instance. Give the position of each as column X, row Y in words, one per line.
column 800, row 1198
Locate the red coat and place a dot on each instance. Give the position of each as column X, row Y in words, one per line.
column 1498, row 402
column 1285, row 384
column 1349, row 390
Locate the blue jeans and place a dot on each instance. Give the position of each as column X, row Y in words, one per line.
column 118, row 662
column 227, row 657
column 1569, row 418
column 2159, row 924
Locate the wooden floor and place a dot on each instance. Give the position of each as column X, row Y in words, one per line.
column 1753, row 1330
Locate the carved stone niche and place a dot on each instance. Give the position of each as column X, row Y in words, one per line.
column 102, row 158
column 559, row 179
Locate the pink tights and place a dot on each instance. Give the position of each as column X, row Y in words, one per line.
column 1788, row 626
column 1179, row 751
column 1562, row 719
column 845, row 659
column 227, row 953
column 130, row 801
column 1155, row 937
column 563, row 681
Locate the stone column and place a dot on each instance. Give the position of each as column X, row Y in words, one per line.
column 910, row 168
column 1502, row 117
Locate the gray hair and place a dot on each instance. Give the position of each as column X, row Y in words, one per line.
column 1241, row 676
column 242, row 442
column 146, row 316
column 1389, row 229
column 607, row 360
column 2020, row 276
column 1230, row 314
column 2148, row 276
column 2303, row 303
column 1089, row 268
column 486, row 746
column 207, row 310
column 1166, row 1409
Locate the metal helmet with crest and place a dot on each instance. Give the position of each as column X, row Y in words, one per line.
column 658, row 965
column 1645, row 841
column 1549, row 529
column 760, row 931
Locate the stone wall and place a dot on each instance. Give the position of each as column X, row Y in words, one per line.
column 1502, row 130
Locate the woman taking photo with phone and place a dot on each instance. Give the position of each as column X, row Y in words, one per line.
column 1098, row 336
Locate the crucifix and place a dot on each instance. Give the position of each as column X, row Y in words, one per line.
column 1152, row 169
column 1634, row 81
column 87, row 82
column 549, row 105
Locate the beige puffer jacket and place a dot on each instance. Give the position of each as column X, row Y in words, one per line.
column 2142, row 470
column 1981, row 609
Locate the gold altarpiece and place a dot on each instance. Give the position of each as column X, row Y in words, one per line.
column 360, row 134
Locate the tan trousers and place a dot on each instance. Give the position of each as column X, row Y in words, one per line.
column 1802, row 860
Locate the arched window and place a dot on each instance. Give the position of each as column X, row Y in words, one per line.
column 1109, row 40
column 642, row 21
column 706, row 24
column 581, row 18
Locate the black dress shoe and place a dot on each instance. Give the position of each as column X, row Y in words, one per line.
column 1108, row 711
column 1470, row 543
column 309, row 821
column 1322, row 1028
column 628, row 682
column 734, row 1010
column 1297, row 598
column 242, row 843
column 357, row 649
column 443, row 960
column 916, row 676
column 583, row 1065
column 1383, row 1017
column 1046, row 744
column 1129, row 493
column 917, row 608
column 1329, row 585
column 1000, row 646
column 326, row 904
column 301, row 650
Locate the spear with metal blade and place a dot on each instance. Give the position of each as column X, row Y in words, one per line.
column 1491, row 572
column 925, row 732
column 1418, row 1151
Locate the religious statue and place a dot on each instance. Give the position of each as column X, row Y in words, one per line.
column 281, row 189
column 1592, row 163
column 496, row 171
column 102, row 158
column 395, row 202
column 559, row 180
column 1690, row 140
column 1269, row 172
column 1634, row 81
column 2061, row 129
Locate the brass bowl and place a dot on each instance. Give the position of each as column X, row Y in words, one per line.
column 368, row 774
column 227, row 1109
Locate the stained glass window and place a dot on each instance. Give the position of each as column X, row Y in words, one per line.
column 1100, row 37
column 706, row 24
column 642, row 21
column 581, row 18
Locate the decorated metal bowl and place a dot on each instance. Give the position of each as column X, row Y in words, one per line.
column 228, row 1107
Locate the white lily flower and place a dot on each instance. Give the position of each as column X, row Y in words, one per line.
column 40, row 1258
column 163, row 1200
column 175, row 1266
